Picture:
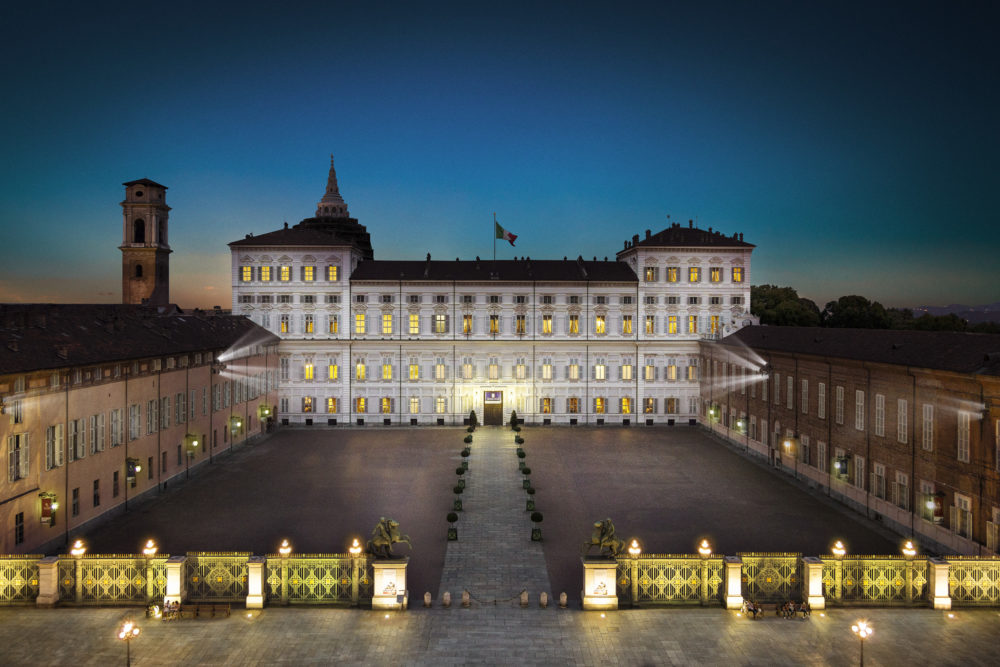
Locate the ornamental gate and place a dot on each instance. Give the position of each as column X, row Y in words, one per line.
column 18, row 579
column 111, row 579
column 974, row 581
column 880, row 580
column 771, row 577
column 217, row 577
column 670, row 579
column 318, row 578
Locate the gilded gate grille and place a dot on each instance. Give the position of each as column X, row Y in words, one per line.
column 874, row 580
column 18, row 579
column 313, row 578
column 217, row 577
column 669, row 579
column 974, row 581
column 771, row 577
column 113, row 579
column 67, row 578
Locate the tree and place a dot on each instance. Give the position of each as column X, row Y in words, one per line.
column 855, row 312
column 782, row 306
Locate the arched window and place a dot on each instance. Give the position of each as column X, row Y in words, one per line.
column 139, row 231
column 138, row 270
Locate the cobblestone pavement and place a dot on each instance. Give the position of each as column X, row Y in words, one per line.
column 500, row 635
column 494, row 557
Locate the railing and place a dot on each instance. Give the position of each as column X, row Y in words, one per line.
column 111, row 579
column 217, row 577
column 874, row 580
column 974, row 581
column 670, row 579
column 771, row 577
column 18, row 579
column 319, row 579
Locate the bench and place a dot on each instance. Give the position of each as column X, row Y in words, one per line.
column 203, row 611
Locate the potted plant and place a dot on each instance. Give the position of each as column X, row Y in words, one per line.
column 525, row 483
column 461, row 480
column 530, row 505
column 458, row 498
column 513, row 420
column 452, row 530
column 473, row 422
column 536, row 532
column 465, row 453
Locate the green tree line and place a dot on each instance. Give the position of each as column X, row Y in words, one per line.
column 782, row 306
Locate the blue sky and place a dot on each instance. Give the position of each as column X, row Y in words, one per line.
column 854, row 143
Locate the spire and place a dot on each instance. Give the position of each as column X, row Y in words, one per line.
column 332, row 205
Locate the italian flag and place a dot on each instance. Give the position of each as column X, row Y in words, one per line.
column 502, row 233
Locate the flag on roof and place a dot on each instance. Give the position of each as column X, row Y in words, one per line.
column 502, row 233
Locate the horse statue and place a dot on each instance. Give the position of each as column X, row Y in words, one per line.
column 604, row 539
column 384, row 535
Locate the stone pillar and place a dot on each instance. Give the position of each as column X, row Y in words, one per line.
column 389, row 590
column 937, row 578
column 704, row 580
column 909, row 580
column 48, row 582
column 176, row 580
column 600, row 590
column 734, row 582
column 634, row 577
column 149, row 578
column 255, row 582
column 812, row 573
column 78, row 577
column 838, row 579
column 284, row 579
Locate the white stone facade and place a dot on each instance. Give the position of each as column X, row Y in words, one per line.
column 360, row 344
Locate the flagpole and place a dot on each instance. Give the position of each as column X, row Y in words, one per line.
column 494, row 237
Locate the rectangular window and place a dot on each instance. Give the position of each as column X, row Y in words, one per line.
column 360, row 405
column 737, row 274
column 97, row 493
column 626, row 324
column 673, row 274
column 546, row 406
column 715, row 274
column 964, row 419
column 672, row 324
column 626, row 406
column 573, row 405
column 694, row 300
column 440, row 323
column 650, row 324
column 546, row 324
column 821, row 461
column 821, row 400
column 265, row 274
column 519, row 324
column 439, row 369
column 692, row 369
column 494, row 324
column 331, row 274
column 651, row 274
column 878, row 480
column 285, row 323
column 599, row 324
column 359, row 370
column 17, row 456
column 308, row 273
column 493, row 369
column 441, row 298
column 331, row 405
column 859, row 472
column 838, row 404
column 547, row 369
column 310, row 324
column 284, row 273
column 804, row 399
column 790, row 392
column 600, row 406
column 879, row 415
column 713, row 324
column 333, row 325
column 902, row 434
column 359, row 323
column 927, row 430
column 671, row 370
column 414, row 370
column 307, row 404
column 694, row 274
column 859, row 409
column 246, row 273
column 649, row 406
column 520, row 369
column 574, row 324
column 573, row 370
column 414, row 405
column 600, row 370
column 386, row 405
column 467, row 324
column 715, row 300
column 307, row 372
column 626, row 371
column 386, row 369
column 649, row 372
column 134, row 421
column 386, row 324
column 692, row 324
column 901, row 491
column 414, row 324
column 53, row 446
column 76, row 501
column 333, row 372
column 441, row 405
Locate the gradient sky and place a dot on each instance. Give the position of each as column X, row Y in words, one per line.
column 855, row 143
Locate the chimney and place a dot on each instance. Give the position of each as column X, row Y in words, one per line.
column 635, row 239
column 690, row 224
column 648, row 234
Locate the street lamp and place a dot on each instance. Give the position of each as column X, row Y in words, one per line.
column 634, row 551
column 838, row 549
column 704, row 549
column 909, row 550
column 149, row 551
column 863, row 631
column 128, row 632
column 78, row 549
column 285, row 548
column 355, row 551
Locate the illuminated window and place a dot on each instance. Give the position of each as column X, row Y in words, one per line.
column 439, row 369
column 414, row 324
column 308, row 273
column 692, row 370
column 333, row 372
column 359, row 323
column 307, row 404
column 672, row 371
column 386, row 324
column 673, row 274
column 651, row 274
column 626, row 406
column 360, row 405
column 520, row 369
column 574, row 324
column 494, row 324
column 334, row 324
column 627, row 371
column 672, row 324
column 467, row 368
column 284, row 273
column 493, row 369
column 694, row 274
column 284, row 323
column 546, row 324
column 650, row 406
column 519, row 325
column 547, row 368
column 331, row 274
column 307, row 372
column 715, row 274
column 600, row 406
column 692, row 324
column 265, row 274
column 414, row 370
column 600, row 370
column 331, row 405
column 737, row 274
column 626, row 324
column 386, row 406
column 309, row 324
column 599, row 325
column 441, row 405
column 440, row 324
column 713, row 324
column 414, row 405
column 573, row 369
column 246, row 273
column 359, row 370
column 573, row 405
column 386, row 370
column 650, row 324
column 546, row 407
column 467, row 324
column 649, row 374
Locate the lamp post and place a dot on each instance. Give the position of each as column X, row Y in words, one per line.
column 355, row 551
column 77, row 553
column 284, row 550
column 704, row 550
column 863, row 631
column 634, row 551
column 149, row 551
column 839, row 551
column 909, row 551
column 128, row 632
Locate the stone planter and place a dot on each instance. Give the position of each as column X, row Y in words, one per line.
column 453, row 534
column 530, row 505
column 457, row 505
column 536, row 534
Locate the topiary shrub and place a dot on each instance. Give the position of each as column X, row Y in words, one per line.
column 459, row 471
column 520, row 453
column 452, row 530
column 513, row 419
column 525, row 483
column 452, row 517
column 468, row 438
column 466, row 452
column 536, row 532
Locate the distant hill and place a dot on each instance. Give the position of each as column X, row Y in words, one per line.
column 974, row 314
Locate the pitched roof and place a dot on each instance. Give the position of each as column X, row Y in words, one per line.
column 510, row 270
column 47, row 336
column 315, row 232
column 687, row 237
column 958, row 352
column 144, row 181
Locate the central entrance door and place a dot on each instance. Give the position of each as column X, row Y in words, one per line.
column 493, row 408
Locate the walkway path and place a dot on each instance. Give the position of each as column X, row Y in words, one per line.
column 494, row 558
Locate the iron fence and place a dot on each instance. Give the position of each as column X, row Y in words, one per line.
column 19, row 579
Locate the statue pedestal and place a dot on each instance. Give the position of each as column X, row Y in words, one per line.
column 389, row 584
column 600, row 588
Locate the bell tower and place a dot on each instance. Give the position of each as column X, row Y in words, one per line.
column 145, row 253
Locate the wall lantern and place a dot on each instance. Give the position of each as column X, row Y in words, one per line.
column 191, row 443
column 50, row 504
column 132, row 467
column 263, row 412
column 235, row 424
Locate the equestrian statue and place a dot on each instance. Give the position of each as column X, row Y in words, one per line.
column 384, row 535
column 604, row 539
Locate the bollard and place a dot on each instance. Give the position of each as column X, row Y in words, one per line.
column 446, row 600
column 427, row 599
column 466, row 599
column 543, row 600
column 524, row 598
column 562, row 600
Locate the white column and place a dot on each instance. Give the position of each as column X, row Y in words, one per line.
column 814, row 582
column 938, row 579
column 176, row 580
column 255, row 582
column 48, row 582
column 734, row 583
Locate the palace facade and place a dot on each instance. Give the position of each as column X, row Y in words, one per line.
column 570, row 341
